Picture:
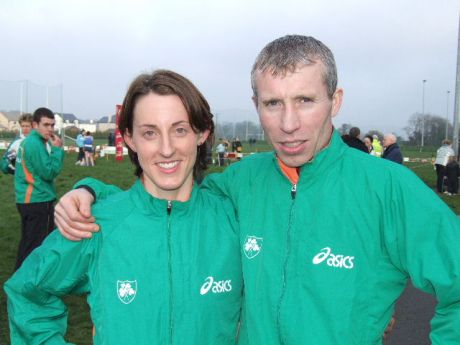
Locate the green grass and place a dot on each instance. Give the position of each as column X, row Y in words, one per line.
column 122, row 175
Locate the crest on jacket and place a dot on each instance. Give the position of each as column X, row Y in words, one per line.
column 252, row 246
column 126, row 290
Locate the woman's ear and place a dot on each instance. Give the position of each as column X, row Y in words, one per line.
column 127, row 137
column 202, row 136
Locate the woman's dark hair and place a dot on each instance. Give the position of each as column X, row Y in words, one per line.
column 163, row 83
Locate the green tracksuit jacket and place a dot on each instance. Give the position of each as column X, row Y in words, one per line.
column 36, row 169
column 325, row 260
column 158, row 273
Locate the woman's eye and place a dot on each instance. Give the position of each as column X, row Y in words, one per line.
column 149, row 134
column 181, row 131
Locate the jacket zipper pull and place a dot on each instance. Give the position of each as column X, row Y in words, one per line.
column 168, row 209
column 293, row 191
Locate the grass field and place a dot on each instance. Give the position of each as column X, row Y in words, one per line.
column 122, row 175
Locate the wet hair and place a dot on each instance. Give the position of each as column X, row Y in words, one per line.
column 290, row 52
column 165, row 83
column 26, row 117
column 42, row 112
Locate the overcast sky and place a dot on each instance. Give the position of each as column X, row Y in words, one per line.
column 95, row 48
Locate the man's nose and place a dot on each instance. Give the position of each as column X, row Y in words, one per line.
column 290, row 121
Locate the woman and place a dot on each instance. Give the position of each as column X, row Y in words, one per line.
column 368, row 142
column 175, row 279
column 88, row 142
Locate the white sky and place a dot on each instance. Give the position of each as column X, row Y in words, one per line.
column 95, row 48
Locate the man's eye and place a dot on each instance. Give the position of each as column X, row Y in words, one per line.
column 305, row 100
column 272, row 103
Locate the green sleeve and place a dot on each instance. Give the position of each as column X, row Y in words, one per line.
column 222, row 184
column 425, row 243
column 45, row 165
column 99, row 189
column 37, row 314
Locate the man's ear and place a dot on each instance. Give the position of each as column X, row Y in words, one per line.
column 255, row 100
column 336, row 102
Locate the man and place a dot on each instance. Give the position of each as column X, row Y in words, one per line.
column 329, row 236
column 391, row 151
column 38, row 162
column 442, row 158
column 221, row 149
column 352, row 140
column 8, row 162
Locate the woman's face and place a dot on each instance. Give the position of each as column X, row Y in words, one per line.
column 367, row 142
column 166, row 145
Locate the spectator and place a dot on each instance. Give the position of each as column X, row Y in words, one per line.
column 452, row 173
column 89, row 149
column 376, row 145
column 221, row 151
column 392, row 151
column 368, row 142
column 352, row 140
column 8, row 162
column 80, row 142
column 111, row 139
column 40, row 157
column 442, row 158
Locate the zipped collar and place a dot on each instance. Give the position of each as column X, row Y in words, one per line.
column 321, row 162
column 151, row 205
column 34, row 132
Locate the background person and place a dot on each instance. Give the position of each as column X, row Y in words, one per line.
column 376, row 145
column 89, row 149
column 80, row 142
column 368, row 142
column 221, row 150
column 8, row 162
column 164, row 270
column 302, row 264
column 452, row 174
column 391, row 151
column 442, row 158
column 352, row 140
column 38, row 163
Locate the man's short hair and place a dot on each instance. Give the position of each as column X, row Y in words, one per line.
column 287, row 53
column 42, row 112
column 26, row 117
column 354, row 132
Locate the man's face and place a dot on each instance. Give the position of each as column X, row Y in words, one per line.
column 387, row 141
column 26, row 127
column 296, row 112
column 45, row 127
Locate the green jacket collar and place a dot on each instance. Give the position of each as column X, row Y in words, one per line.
column 152, row 205
column 322, row 161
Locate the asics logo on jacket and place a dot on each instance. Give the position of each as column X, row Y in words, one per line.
column 215, row 286
column 333, row 260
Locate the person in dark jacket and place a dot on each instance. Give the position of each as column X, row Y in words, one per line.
column 392, row 151
column 452, row 173
column 352, row 140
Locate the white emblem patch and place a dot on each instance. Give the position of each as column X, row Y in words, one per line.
column 252, row 246
column 126, row 290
